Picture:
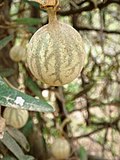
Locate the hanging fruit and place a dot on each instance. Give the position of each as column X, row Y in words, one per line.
column 60, row 149
column 15, row 117
column 55, row 52
column 18, row 53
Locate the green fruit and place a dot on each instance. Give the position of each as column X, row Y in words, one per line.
column 18, row 53
column 60, row 149
column 15, row 117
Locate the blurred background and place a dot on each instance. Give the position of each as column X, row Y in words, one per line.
column 87, row 111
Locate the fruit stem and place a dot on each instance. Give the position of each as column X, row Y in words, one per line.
column 51, row 15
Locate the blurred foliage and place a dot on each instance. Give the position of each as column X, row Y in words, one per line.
column 87, row 111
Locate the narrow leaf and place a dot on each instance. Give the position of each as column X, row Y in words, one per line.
column 31, row 29
column 82, row 153
column 27, row 157
column 11, row 144
column 13, row 98
column 5, row 41
column 8, row 158
column 33, row 87
column 36, row 5
column 6, row 72
column 28, row 128
column 28, row 21
column 19, row 137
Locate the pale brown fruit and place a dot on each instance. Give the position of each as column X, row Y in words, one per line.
column 18, row 53
column 55, row 52
column 15, row 117
column 60, row 149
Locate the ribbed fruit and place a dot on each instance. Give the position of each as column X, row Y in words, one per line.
column 55, row 52
column 15, row 117
column 60, row 149
column 17, row 53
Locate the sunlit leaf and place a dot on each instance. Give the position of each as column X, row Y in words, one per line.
column 10, row 97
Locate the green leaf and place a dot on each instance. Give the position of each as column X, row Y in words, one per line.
column 28, row 21
column 82, row 153
column 11, row 144
column 19, row 137
column 32, row 85
column 31, row 29
column 6, row 72
column 35, row 4
column 8, row 158
column 10, row 97
column 5, row 41
column 28, row 128
column 27, row 157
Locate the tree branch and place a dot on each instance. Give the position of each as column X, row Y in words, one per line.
column 89, row 134
column 91, row 157
column 81, row 28
column 89, row 7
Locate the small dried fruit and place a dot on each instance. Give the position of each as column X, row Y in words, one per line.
column 61, row 149
column 18, row 53
column 15, row 117
column 55, row 52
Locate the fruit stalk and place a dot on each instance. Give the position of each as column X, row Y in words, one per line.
column 51, row 15
column 51, row 7
column 47, row 3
